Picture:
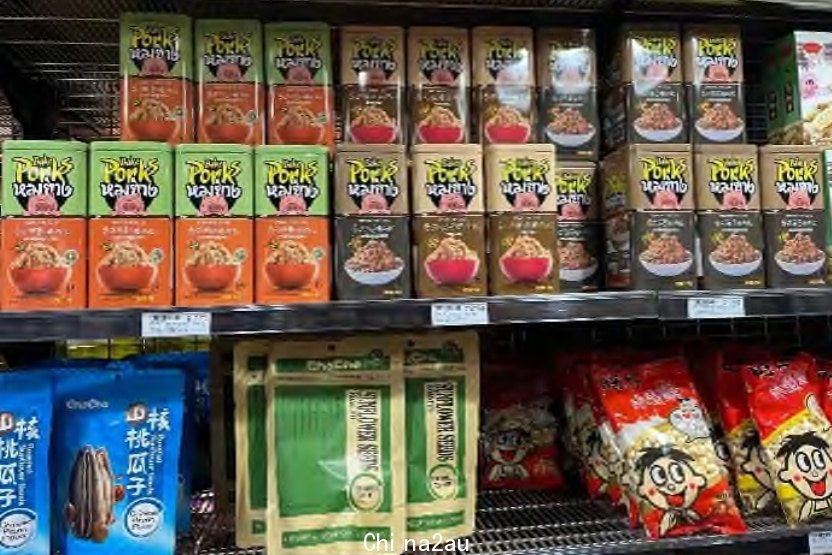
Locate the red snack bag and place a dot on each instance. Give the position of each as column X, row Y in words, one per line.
column 795, row 433
column 825, row 381
column 681, row 486
column 519, row 449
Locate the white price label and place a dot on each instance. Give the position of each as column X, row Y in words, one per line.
column 175, row 324
column 716, row 307
column 459, row 314
column 820, row 543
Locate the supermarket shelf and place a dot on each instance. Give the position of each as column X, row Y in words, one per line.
column 761, row 303
column 539, row 523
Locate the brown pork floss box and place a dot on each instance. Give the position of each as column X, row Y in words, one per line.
column 449, row 255
column 579, row 255
column 733, row 246
column 372, row 257
column 447, row 178
column 522, row 256
column 648, row 177
column 372, row 77
column 714, row 74
column 662, row 250
column 794, row 247
column 520, row 178
column 577, row 191
column 439, row 73
column 727, row 177
column 371, row 179
column 792, row 177
column 567, row 75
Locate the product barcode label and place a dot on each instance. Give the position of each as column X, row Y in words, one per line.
column 459, row 314
column 175, row 324
column 820, row 543
column 716, row 307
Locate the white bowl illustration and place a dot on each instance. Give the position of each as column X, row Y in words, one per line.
column 374, row 278
column 720, row 135
column 570, row 139
column 804, row 269
column 571, row 87
column 659, row 135
column 578, row 274
column 668, row 270
column 735, row 270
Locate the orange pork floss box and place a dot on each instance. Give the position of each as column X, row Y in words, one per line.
column 44, row 232
column 214, row 225
column 131, row 225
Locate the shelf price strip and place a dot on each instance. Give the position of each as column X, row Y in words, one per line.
column 459, row 314
column 702, row 308
column 820, row 543
column 175, row 324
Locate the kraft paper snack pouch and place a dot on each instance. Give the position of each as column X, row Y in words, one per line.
column 117, row 441
column 750, row 464
column 251, row 359
column 335, row 403
column 25, row 431
column 661, row 427
column 784, row 398
column 442, row 398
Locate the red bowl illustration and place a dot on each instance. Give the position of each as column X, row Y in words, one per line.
column 526, row 269
column 373, row 134
column 301, row 135
column 212, row 278
column 125, row 279
column 440, row 135
column 510, row 134
column 452, row 272
column 39, row 281
column 153, row 130
column 290, row 276
column 228, row 132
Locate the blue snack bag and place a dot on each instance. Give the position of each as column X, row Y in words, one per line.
column 117, row 443
column 25, row 427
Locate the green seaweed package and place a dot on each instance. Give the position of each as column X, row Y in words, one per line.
column 442, row 411
column 336, row 456
column 250, row 361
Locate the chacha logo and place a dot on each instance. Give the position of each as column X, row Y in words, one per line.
column 298, row 57
column 440, row 60
column 664, row 181
column 212, row 185
column 228, row 54
column 154, row 49
column 797, row 182
column 374, row 56
column 88, row 404
column 373, row 184
column 449, row 183
column 291, row 184
column 731, row 181
column 524, row 182
column 128, row 184
column 41, row 184
column 503, row 53
column 656, row 51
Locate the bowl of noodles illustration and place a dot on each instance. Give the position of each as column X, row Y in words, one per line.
column 290, row 265
column 373, row 126
column 452, row 262
column 211, row 267
column 301, row 126
column 373, row 263
column 126, row 268
column 440, row 126
column 152, row 120
column 526, row 261
column 507, row 125
column 226, row 123
column 38, row 269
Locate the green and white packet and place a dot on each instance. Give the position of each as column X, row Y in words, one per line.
column 335, row 433
column 251, row 359
column 442, row 391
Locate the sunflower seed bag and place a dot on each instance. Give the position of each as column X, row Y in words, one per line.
column 250, row 361
column 335, row 432
column 442, row 391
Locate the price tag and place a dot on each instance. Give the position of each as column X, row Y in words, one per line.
column 820, row 543
column 175, row 324
column 716, row 307
column 459, row 314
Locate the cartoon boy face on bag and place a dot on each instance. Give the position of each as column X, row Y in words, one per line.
column 807, row 467
column 669, row 482
column 508, row 449
column 753, row 464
